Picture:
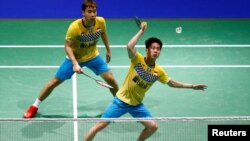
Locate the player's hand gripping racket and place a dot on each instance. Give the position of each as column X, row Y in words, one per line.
column 104, row 84
column 138, row 22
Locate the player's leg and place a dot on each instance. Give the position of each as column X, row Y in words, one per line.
column 94, row 130
column 115, row 109
column 140, row 111
column 150, row 128
column 64, row 72
column 44, row 93
column 109, row 78
column 48, row 88
column 100, row 67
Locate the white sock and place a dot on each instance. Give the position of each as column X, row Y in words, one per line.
column 37, row 102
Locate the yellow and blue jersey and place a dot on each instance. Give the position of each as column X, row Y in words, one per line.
column 84, row 41
column 139, row 79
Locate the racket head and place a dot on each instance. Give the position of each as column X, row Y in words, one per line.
column 104, row 84
column 138, row 22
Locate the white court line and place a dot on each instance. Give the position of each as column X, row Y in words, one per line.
column 75, row 112
column 127, row 119
column 28, row 67
column 194, row 66
column 123, row 46
column 163, row 66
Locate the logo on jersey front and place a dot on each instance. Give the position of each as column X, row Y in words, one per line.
column 89, row 40
column 140, row 82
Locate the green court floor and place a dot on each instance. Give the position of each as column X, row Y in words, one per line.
column 213, row 52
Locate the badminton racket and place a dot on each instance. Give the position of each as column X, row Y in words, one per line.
column 104, row 84
column 137, row 21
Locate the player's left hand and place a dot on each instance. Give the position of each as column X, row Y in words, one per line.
column 108, row 57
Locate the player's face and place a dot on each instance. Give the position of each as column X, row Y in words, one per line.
column 90, row 13
column 154, row 51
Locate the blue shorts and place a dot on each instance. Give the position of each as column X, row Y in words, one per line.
column 117, row 108
column 97, row 65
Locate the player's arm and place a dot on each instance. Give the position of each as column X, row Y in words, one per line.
column 176, row 84
column 70, row 54
column 131, row 44
column 105, row 40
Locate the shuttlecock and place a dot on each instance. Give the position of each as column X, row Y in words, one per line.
column 178, row 30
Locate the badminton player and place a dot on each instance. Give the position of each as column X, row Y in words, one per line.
column 81, row 50
column 142, row 74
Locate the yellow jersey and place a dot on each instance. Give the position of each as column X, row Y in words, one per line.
column 139, row 79
column 84, row 41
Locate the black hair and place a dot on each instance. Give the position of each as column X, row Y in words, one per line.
column 151, row 40
column 88, row 3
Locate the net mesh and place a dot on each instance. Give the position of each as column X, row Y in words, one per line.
column 122, row 129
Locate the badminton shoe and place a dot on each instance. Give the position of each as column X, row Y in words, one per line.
column 29, row 113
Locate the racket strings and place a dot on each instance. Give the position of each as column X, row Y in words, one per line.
column 138, row 22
